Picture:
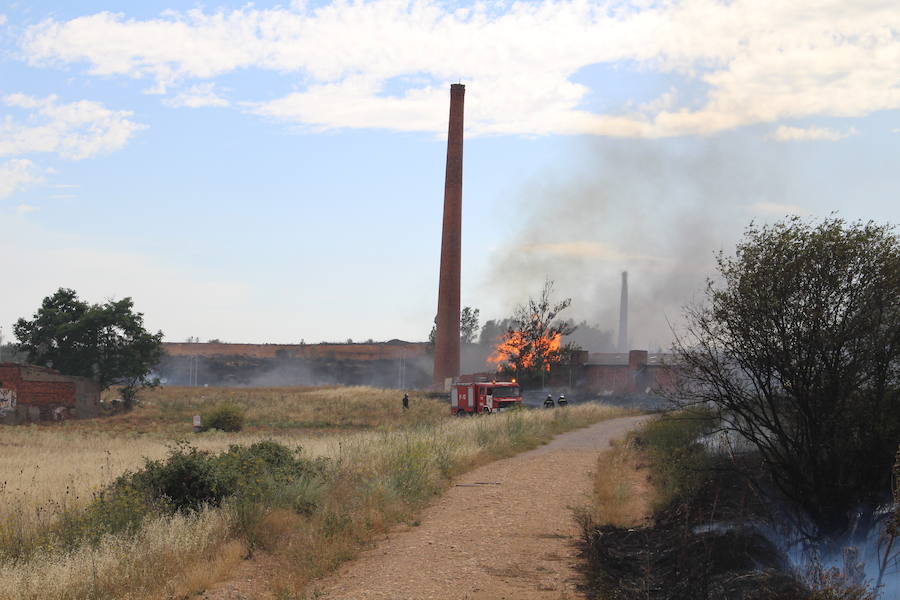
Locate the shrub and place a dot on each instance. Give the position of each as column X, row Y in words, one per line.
column 679, row 461
column 112, row 511
column 264, row 469
column 186, row 480
column 227, row 416
column 189, row 479
column 796, row 348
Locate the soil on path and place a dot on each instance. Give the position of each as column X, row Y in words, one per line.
column 503, row 531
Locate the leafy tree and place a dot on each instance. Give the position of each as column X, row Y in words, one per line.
column 797, row 350
column 468, row 324
column 106, row 342
column 533, row 340
column 493, row 331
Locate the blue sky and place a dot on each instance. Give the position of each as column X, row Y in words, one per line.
column 274, row 172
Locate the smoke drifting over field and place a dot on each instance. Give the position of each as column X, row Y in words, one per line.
column 658, row 209
column 262, row 366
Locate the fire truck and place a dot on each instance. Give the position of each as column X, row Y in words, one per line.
column 484, row 397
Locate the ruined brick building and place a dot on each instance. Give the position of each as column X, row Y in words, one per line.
column 636, row 372
column 395, row 364
column 29, row 393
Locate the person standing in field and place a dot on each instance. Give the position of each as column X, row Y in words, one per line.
column 405, row 401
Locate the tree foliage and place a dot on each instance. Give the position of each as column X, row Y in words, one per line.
column 468, row 324
column 106, row 342
column 533, row 340
column 797, row 348
column 493, row 331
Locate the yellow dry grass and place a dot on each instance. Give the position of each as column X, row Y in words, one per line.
column 169, row 409
column 387, row 464
column 622, row 494
column 155, row 563
column 44, row 470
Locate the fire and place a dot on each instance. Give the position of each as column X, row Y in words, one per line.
column 513, row 348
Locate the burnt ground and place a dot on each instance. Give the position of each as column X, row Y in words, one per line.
column 713, row 543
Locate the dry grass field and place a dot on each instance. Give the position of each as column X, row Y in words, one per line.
column 383, row 465
column 46, row 468
column 169, row 410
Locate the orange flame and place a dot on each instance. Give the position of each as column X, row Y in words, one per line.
column 513, row 348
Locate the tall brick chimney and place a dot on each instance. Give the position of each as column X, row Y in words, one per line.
column 446, row 347
column 623, row 314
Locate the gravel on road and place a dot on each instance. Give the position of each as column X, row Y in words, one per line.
column 505, row 531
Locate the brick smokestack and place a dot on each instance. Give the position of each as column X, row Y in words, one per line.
column 623, row 314
column 446, row 347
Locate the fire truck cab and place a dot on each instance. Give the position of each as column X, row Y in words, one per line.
column 484, row 397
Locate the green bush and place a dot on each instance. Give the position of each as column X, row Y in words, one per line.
column 188, row 479
column 679, row 462
column 227, row 416
column 112, row 511
column 303, row 496
column 248, row 480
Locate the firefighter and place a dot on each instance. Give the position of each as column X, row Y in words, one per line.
column 562, row 400
column 548, row 403
column 405, row 401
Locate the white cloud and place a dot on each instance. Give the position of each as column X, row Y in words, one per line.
column 2, row 19
column 196, row 97
column 24, row 209
column 16, row 175
column 786, row 133
column 779, row 210
column 76, row 130
column 760, row 60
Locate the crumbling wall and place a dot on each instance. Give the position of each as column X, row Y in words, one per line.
column 30, row 393
column 611, row 374
column 361, row 352
column 392, row 364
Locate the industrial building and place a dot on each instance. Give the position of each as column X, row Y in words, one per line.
column 396, row 364
column 636, row 372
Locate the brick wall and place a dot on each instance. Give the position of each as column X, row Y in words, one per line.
column 42, row 393
column 360, row 352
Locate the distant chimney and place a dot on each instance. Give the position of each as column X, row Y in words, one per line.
column 623, row 314
column 446, row 346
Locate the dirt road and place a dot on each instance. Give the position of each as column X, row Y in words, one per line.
column 504, row 531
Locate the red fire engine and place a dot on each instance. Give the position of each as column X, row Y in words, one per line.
column 484, row 397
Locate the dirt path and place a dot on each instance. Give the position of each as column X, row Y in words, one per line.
column 504, row 531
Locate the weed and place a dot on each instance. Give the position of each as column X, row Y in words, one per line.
column 227, row 416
